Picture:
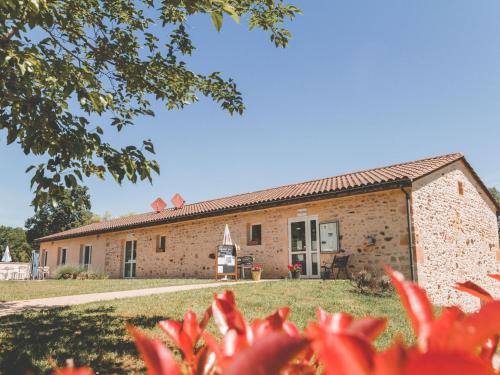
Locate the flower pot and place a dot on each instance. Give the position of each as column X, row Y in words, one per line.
column 256, row 275
column 296, row 274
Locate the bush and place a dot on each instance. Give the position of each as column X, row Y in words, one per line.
column 335, row 344
column 67, row 271
column 367, row 282
column 74, row 271
column 91, row 275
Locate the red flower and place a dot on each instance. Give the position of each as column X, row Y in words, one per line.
column 158, row 358
column 73, row 371
column 454, row 343
column 185, row 335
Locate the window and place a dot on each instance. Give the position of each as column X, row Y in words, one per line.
column 255, row 234
column 329, row 237
column 130, row 261
column 44, row 258
column 61, row 256
column 162, row 244
column 460, row 188
column 86, row 256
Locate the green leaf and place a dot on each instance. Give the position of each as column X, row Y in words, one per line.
column 217, row 20
column 232, row 12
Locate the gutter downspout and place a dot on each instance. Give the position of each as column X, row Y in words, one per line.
column 410, row 231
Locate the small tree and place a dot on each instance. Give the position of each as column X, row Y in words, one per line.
column 72, row 69
column 73, row 210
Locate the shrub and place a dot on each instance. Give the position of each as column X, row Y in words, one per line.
column 91, row 275
column 335, row 344
column 73, row 271
column 67, row 271
column 367, row 282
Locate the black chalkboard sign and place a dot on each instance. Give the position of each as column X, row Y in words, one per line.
column 226, row 261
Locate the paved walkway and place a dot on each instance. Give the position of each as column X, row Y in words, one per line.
column 16, row 307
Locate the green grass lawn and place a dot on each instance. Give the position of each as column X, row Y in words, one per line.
column 20, row 290
column 94, row 334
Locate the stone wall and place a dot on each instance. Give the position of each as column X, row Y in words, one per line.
column 456, row 236
column 190, row 244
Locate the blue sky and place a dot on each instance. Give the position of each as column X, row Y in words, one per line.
column 362, row 84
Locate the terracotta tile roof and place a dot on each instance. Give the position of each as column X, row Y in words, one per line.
column 377, row 177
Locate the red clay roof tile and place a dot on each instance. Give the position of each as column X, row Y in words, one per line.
column 372, row 177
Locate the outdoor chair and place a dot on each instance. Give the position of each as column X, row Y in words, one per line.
column 245, row 263
column 43, row 272
column 339, row 263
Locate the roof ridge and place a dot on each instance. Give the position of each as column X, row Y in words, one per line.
column 457, row 154
column 208, row 205
column 297, row 183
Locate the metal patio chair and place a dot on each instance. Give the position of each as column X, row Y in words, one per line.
column 339, row 263
column 245, row 263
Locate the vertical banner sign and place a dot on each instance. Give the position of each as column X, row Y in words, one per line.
column 226, row 262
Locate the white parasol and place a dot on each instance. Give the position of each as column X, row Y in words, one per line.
column 227, row 237
column 6, row 255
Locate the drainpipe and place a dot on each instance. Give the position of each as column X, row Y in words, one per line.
column 410, row 230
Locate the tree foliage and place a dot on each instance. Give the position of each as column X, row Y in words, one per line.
column 15, row 238
column 73, row 210
column 69, row 69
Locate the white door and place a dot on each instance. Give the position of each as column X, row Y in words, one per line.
column 130, row 259
column 303, row 244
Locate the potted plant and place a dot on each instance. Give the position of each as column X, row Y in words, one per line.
column 256, row 272
column 295, row 270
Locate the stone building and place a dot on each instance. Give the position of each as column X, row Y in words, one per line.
column 431, row 219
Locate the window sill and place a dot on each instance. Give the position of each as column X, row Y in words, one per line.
column 254, row 243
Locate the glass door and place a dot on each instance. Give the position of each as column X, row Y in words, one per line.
column 303, row 244
column 130, row 259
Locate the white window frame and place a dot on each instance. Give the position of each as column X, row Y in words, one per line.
column 45, row 255
column 87, row 265
column 131, row 261
column 64, row 251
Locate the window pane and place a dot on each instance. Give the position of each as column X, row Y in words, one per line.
column 256, row 232
column 298, row 232
column 134, row 250
column 63, row 256
column 314, row 264
column 163, row 241
column 314, row 236
column 133, row 269
column 128, row 250
column 300, row 258
column 86, row 257
column 128, row 267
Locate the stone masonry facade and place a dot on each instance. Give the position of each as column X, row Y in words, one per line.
column 456, row 234
column 191, row 244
